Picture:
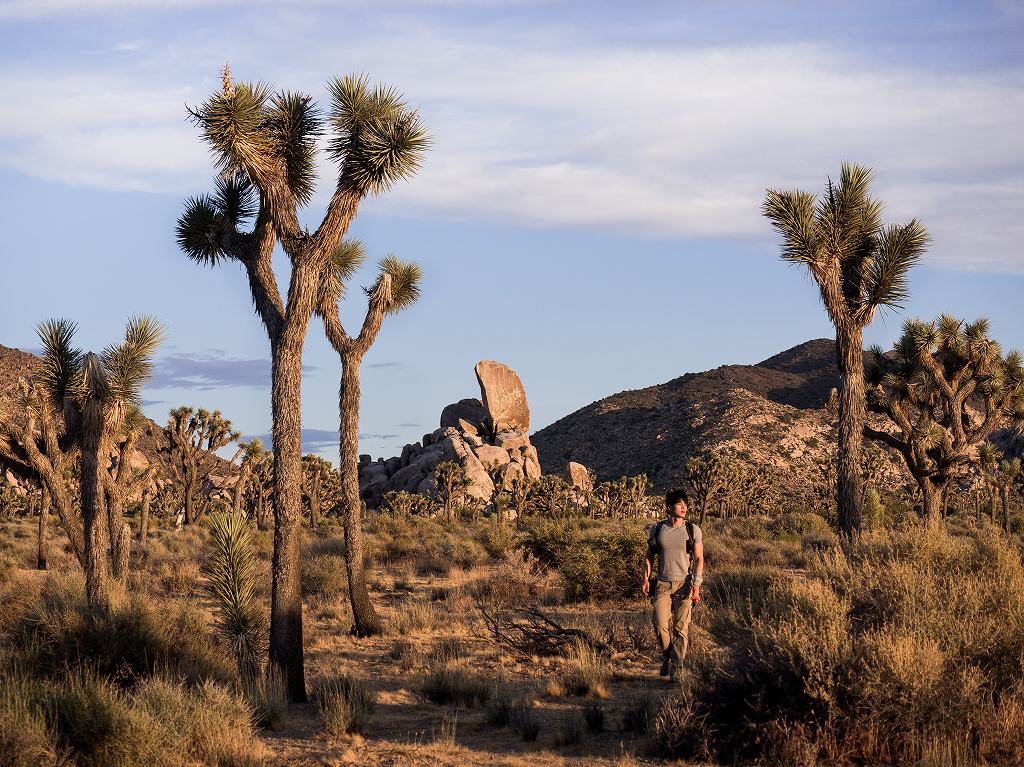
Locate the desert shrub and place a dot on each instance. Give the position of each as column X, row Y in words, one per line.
column 511, row 710
column 413, row 615
column 323, row 575
column 268, row 697
column 26, row 740
column 639, row 713
column 548, row 539
column 518, row 579
column 903, row 648
column 498, row 540
column 603, row 563
column 136, row 639
column 209, row 724
column 345, row 704
column 452, row 685
column 402, row 650
column 593, row 715
column 797, row 523
column 588, row 672
column 446, row 651
column 571, row 730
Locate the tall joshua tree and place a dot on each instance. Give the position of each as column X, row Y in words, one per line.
column 264, row 144
column 945, row 386
column 859, row 266
column 395, row 289
column 194, row 435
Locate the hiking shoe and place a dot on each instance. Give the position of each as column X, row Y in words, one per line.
column 666, row 668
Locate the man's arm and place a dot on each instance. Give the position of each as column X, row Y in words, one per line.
column 698, row 570
column 645, row 584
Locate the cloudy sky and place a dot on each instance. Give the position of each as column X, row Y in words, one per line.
column 588, row 213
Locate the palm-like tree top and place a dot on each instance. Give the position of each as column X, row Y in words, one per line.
column 859, row 263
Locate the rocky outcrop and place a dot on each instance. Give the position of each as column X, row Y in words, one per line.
column 475, row 433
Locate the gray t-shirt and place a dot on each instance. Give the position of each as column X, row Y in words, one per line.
column 673, row 561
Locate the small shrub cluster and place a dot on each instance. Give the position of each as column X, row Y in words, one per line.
column 455, row 686
column 515, row 712
column 345, row 704
column 588, row 672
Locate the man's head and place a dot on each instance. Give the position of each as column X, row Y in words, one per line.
column 676, row 502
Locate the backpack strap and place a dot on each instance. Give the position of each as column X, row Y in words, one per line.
column 690, row 543
column 652, row 541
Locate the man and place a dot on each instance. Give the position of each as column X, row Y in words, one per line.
column 680, row 550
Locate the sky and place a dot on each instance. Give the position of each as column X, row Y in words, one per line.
column 588, row 212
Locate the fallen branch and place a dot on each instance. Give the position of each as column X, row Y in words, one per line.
column 530, row 632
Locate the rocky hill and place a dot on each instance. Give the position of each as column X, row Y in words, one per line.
column 773, row 413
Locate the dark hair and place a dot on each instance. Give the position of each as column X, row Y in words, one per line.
column 672, row 497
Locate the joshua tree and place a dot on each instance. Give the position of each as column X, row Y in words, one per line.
column 252, row 453
column 120, row 483
column 452, row 483
column 321, row 486
column 988, row 463
column 194, row 435
column 396, row 288
column 859, row 266
column 945, row 386
column 84, row 401
column 1008, row 474
column 706, row 475
column 265, row 147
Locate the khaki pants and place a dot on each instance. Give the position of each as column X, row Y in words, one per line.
column 671, row 617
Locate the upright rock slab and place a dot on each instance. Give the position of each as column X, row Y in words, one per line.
column 504, row 397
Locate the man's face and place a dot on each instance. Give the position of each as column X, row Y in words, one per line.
column 677, row 510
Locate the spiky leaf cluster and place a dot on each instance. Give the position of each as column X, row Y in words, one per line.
column 859, row 264
column 232, row 572
column 377, row 139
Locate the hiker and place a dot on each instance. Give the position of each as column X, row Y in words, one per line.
column 679, row 547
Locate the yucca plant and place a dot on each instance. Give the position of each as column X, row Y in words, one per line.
column 233, row 576
column 860, row 266
column 264, row 146
column 944, row 387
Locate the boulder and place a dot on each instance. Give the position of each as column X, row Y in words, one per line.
column 531, row 467
column 469, row 410
column 473, row 440
column 504, row 398
column 511, row 439
column 492, row 454
column 513, row 473
column 578, row 476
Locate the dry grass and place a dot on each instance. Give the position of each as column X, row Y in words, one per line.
column 345, row 704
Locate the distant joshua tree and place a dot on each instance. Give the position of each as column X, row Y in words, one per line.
column 397, row 287
column 265, row 148
column 859, row 266
column 945, row 386
column 321, row 486
column 194, row 435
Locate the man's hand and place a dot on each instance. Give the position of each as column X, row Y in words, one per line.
column 695, row 594
column 645, row 587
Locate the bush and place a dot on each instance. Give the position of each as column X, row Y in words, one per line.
column 268, row 696
column 603, row 564
column 904, row 648
column 26, row 739
column 323, row 575
column 797, row 523
column 516, row 713
column 450, row 685
column 588, row 672
column 345, row 704
column 133, row 641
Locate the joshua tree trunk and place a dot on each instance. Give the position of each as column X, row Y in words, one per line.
column 367, row 622
column 1004, row 492
column 97, row 547
column 852, row 415
column 44, row 517
column 115, row 525
column 931, row 494
column 313, row 491
column 147, row 500
column 286, row 594
column 189, row 500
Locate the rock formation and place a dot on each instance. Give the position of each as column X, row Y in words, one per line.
column 474, row 433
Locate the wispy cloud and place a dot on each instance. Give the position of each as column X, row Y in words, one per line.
column 325, row 440
column 386, row 365
column 203, row 371
column 631, row 137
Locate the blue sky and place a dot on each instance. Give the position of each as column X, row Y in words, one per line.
column 588, row 213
